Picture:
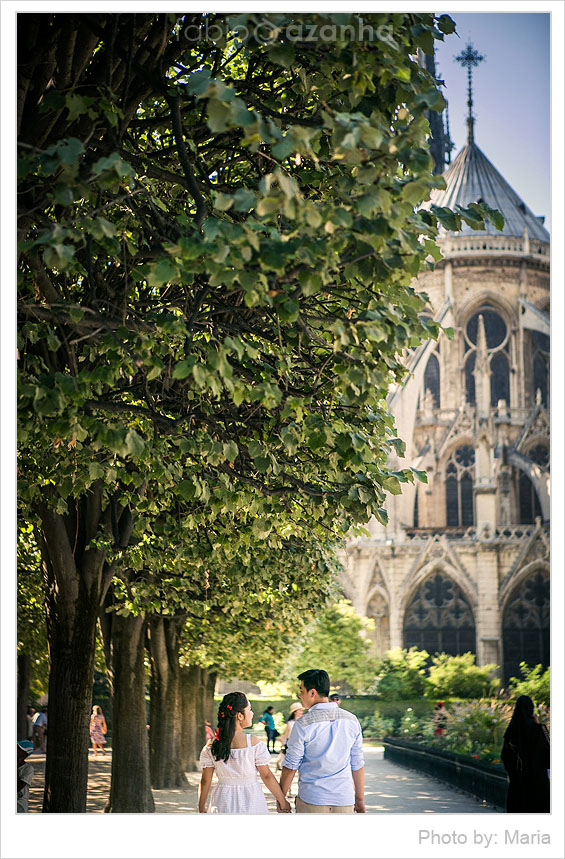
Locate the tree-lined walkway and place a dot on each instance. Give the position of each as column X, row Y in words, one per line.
column 390, row 788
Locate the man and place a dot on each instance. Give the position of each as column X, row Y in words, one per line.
column 40, row 730
column 25, row 776
column 326, row 747
column 335, row 699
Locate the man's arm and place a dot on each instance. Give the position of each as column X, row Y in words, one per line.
column 286, row 779
column 359, row 782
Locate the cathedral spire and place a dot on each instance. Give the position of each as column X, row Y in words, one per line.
column 470, row 58
column 482, row 372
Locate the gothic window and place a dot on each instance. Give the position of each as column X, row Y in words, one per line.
column 439, row 618
column 459, row 487
column 525, row 625
column 497, row 337
column 540, row 346
column 528, row 500
column 500, row 378
column 431, row 379
column 416, row 511
column 470, row 378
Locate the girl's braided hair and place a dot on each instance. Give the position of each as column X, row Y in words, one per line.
column 232, row 703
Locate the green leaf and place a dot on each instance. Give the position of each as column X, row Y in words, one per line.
column 184, row 368
column 163, row 272
column 231, row 451
column 219, row 115
column 282, row 55
column 135, row 445
column 446, row 24
column 420, row 475
column 446, row 218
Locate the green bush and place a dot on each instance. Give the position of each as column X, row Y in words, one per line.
column 458, row 676
column 401, row 674
column 534, row 682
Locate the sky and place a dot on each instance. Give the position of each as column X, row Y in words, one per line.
column 511, row 97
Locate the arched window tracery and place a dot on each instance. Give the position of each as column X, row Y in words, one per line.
column 525, row 625
column 540, row 372
column 439, row 618
column 459, row 507
column 432, row 379
column 497, row 335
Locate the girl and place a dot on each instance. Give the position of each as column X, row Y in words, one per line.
column 236, row 758
column 98, row 730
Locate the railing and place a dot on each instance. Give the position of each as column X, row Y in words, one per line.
column 485, row 781
column 502, row 534
column 456, row 245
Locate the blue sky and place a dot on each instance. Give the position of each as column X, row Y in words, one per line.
column 511, row 97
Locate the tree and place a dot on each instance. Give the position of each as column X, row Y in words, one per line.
column 337, row 640
column 33, row 659
column 402, row 674
column 216, row 244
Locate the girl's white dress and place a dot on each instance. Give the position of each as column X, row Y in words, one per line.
column 238, row 790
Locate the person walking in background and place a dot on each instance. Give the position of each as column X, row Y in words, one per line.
column 326, row 747
column 30, row 713
column 40, row 730
column 98, row 730
column 440, row 719
column 268, row 720
column 236, row 758
column 525, row 755
column 335, row 699
column 296, row 710
column 25, row 775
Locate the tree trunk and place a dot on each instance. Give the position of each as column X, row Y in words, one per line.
column 166, row 716
column 130, row 789
column 71, row 649
column 209, row 689
column 190, row 750
column 76, row 581
column 24, row 677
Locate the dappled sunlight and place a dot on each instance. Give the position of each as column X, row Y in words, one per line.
column 389, row 789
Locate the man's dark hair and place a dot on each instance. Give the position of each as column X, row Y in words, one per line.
column 318, row 679
column 268, row 709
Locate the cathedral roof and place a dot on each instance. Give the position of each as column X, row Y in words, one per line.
column 471, row 178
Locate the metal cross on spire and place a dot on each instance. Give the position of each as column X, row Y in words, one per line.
column 470, row 58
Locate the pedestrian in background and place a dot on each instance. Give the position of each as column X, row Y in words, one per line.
column 268, row 720
column 335, row 699
column 296, row 710
column 525, row 755
column 40, row 730
column 98, row 730
column 440, row 719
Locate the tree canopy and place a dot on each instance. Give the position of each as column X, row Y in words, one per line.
column 217, row 236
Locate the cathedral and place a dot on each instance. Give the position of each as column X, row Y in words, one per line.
column 463, row 563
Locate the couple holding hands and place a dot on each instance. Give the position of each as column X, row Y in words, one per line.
column 325, row 746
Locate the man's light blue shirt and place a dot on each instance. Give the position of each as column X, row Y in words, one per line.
column 325, row 746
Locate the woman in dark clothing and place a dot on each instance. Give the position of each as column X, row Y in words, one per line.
column 525, row 755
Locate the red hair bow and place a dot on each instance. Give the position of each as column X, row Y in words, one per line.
column 217, row 734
